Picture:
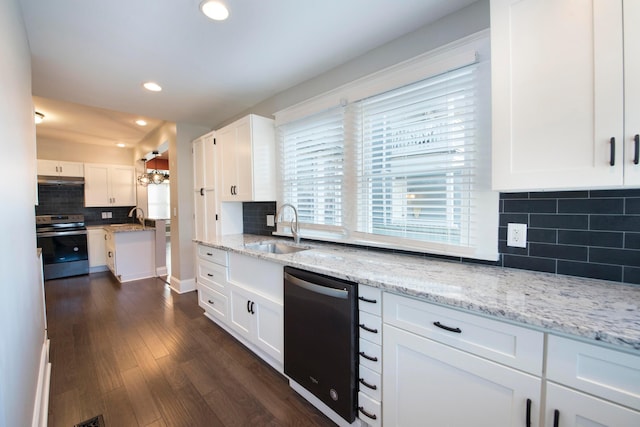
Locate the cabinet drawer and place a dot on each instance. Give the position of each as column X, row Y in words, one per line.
column 600, row 371
column 370, row 355
column 369, row 410
column 214, row 303
column 508, row 344
column 370, row 327
column 211, row 254
column 370, row 383
column 370, row 299
column 212, row 275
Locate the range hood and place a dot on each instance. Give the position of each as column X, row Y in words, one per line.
column 60, row 180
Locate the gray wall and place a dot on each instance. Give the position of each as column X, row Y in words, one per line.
column 22, row 324
column 466, row 21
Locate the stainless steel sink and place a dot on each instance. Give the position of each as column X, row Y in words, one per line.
column 275, row 247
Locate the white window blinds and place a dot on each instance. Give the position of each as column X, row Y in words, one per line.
column 311, row 166
column 416, row 160
column 405, row 164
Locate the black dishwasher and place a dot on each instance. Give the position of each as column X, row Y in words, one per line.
column 321, row 338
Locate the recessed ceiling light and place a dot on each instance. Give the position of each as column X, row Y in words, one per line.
column 215, row 10
column 141, row 122
column 152, row 86
column 38, row 117
column 121, row 145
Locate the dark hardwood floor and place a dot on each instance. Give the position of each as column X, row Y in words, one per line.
column 141, row 355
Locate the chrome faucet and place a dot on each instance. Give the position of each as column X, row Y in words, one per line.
column 294, row 222
column 140, row 218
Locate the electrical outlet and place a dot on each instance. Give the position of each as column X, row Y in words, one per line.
column 271, row 220
column 104, row 215
column 517, row 235
column 109, row 215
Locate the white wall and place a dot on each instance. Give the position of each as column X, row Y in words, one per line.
column 85, row 153
column 457, row 25
column 21, row 305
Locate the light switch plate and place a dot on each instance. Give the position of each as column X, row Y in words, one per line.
column 517, row 235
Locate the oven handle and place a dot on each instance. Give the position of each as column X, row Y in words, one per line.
column 61, row 233
column 319, row 289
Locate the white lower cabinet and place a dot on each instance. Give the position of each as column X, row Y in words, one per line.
column 426, row 380
column 370, row 355
column 589, row 385
column 258, row 319
column 211, row 278
column 97, row 249
column 435, row 369
column 131, row 255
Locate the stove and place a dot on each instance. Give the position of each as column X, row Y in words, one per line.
column 63, row 240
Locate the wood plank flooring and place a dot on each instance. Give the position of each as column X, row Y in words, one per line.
column 144, row 356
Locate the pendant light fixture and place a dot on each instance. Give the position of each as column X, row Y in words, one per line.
column 155, row 176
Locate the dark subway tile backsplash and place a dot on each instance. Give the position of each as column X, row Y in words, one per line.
column 592, row 234
column 56, row 199
column 254, row 217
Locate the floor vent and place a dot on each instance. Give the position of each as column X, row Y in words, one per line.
column 97, row 421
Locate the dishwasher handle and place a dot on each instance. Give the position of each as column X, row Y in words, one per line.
column 319, row 289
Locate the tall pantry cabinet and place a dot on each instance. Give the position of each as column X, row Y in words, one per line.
column 205, row 169
column 565, row 93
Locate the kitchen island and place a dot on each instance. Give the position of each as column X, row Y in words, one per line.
column 131, row 251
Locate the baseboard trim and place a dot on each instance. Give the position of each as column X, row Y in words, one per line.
column 41, row 404
column 182, row 286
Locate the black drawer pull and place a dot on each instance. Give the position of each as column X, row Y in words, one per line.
column 366, row 384
column 366, row 356
column 209, row 274
column 202, row 191
column 447, row 328
column 372, row 416
column 210, row 302
column 612, row 159
column 209, row 254
column 636, row 149
column 528, row 414
column 556, row 418
column 373, row 331
column 372, row 301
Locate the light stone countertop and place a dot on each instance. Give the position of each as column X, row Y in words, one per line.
column 607, row 312
column 126, row 228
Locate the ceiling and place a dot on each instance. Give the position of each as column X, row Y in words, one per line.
column 89, row 59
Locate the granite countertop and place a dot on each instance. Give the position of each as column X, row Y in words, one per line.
column 125, row 228
column 607, row 312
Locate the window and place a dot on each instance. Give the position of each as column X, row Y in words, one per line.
column 404, row 164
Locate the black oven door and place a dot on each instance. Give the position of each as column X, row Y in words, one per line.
column 64, row 253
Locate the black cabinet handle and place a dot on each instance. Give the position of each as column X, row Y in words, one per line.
column 209, row 254
column 612, row 160
column 373, row 331
column 366, row 384
column 202, row 191
column 366, row 356
column 372, row 301
column 209, row 274
column 556, row 418
column 528, row 420
column 252, row 310
column 210, row 302
column 248, row 303
column 372, row 416
column 447, row 328
column 636, row 150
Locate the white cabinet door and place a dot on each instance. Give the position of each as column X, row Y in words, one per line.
column 240, row 311
column 632, row 92
column 269, row 326
column 570, row 408
column 97, row 247
column 247, row 160
column 109, row 185
column 557, row 94
column 123, row 191
column 204, row 195
column 96, row 185
column 428, row 383
column 60, row 168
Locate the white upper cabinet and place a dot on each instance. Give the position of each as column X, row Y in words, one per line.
column 632, row 92
column 60, row 168
column 558, row 90
column 109, row 185
column 247, row 160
